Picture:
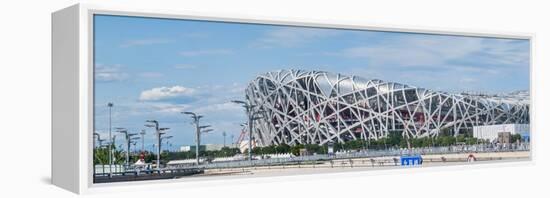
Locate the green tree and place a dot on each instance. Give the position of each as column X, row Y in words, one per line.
column 516, row 138
column 282, row 148
column 101, row 156
column 314, row 148
column 295, row 150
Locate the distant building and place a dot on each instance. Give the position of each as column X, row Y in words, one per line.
column 213, row 147
column 491, row 132
column 217, row 147
column 185, row 148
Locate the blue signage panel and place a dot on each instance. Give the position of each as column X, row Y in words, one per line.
column 411, row 160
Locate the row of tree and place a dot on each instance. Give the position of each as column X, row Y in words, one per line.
column 393, row 140
column 223, row 152
column 101, row 155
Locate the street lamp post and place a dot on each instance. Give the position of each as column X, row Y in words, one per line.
column 198, row 130
column 232, row 140
column 224, row 134
column 133, row 141
column 110, row 105
column 128, row 139
column 134, row 144
column 142, row 140
column 252, row 115
column 165, row 138
column 111, row 151
column 98, row 140
column 202, row 129
column 159, row 133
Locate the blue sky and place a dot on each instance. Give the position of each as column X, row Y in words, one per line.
column 155, row 68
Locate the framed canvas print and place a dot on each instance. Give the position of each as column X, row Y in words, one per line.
column 149, row 97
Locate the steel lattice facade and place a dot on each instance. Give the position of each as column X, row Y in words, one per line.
column 315, row 107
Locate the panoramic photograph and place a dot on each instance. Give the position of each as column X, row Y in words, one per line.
column 178, row 99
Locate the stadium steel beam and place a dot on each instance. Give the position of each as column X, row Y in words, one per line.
column 315, row 107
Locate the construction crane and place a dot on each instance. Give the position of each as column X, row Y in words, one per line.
column 241, row 142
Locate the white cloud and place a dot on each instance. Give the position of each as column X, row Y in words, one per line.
column 441, row 57
column 142, row 42
column 206, row 52
column 214, row 94
column 291, row 37
column 109, row 73
column 169, row 108
column 407, row 51
column 467, row 68
column 151, row 75
column 185, row 66
column 221, row 107
column 195, row 35
column 507, row 52
column 464, row 53
column 468, row 80
column 161, row 93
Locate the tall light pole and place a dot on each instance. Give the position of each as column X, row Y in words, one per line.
column 232, row 140
column 128, row 138
column 202, row 129
column 224, row 134
column 110, row 105
column 133, row 141
column 166, row 138
column 156, row 126
column 252, row 115
column 142, row 140
column 99, row 140
column 112, row 143
column 159, row 133
column 198, row 130
column 99, row 145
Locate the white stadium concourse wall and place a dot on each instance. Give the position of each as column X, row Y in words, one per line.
column 316, row 107
column 490, row 132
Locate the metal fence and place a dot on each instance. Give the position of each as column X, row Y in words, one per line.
column 345, row 157
column 312, row 159
column 104, row 168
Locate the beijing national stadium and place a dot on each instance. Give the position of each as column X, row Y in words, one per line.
column 317, row 107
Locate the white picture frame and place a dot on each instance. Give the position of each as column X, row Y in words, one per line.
column 72, row 89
